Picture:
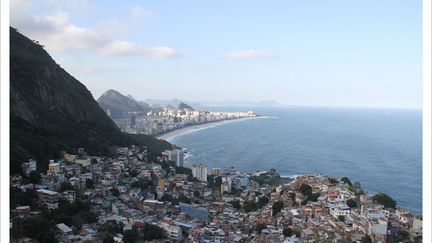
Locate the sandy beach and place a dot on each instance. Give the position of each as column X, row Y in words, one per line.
column 170, row 135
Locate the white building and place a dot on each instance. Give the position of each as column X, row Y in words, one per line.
column 49, row 198
column 173, row 231
column 29, row 167
column 53, row 167
column 176, row 155
column 216, row 171
column 226, row 184
column 340, row 210
column 199, row 171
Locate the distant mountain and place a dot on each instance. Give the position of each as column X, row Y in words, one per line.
column 51, row 111
column 182, row 106
column 163, row 103
column 131, row 97
column 201, row 105
column 144, row 105
column 118, row 105
column 265, row 103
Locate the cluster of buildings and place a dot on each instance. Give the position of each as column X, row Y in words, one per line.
column 208, row 205
column 166, row 120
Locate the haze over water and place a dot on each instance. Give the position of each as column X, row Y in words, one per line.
column 380, row 148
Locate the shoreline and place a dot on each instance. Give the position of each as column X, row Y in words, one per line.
column 192, row 128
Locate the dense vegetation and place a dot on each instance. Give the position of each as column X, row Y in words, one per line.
column 52, row 111
column 288, row 232
column 366, row 239
column 41, row 227
column 351, row 203
column 305, row 189
column 346, row 180
column 21, row 198
column 118, row 104
column 148, row 232
column 384, row 200
column 250, row 206
column 277, row 207
column 271, row 178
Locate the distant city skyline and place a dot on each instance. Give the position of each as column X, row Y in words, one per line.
column 308, row 53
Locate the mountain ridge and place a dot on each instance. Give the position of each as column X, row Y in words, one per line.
column 118, row 104
column 51, row 111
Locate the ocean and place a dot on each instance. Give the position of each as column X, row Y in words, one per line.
column 380, row 148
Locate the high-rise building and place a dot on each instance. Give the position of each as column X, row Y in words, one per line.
column 216, row 171
column 176, row 155
column 226, row 185
column 199, row 171
column 132, row 121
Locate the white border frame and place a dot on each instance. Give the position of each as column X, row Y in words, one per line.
column 427, row 146
column 4, row 108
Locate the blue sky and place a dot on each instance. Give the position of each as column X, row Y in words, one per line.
column 326, row 53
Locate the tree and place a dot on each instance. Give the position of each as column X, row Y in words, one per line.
column 287, row 232
column 218, row 181
column 402, row 235
column 72, row 214
column 341, row 218
column 130, row 236
column 366, row 239
column 262, row 201
column 384, row 200
column 260, row 227
column 153, row 232
column 89, row 184
column 34, row 177
column 185, row 232
column 351, row 203
column 65, row 186
column 38, row 227
column 346, row 180
column 184, row 199
column 109, row 230
column 277, row 207
column 250, row 206
column 305, row 189
column 314, row 197
column 133, row 173
column 20, row 198
column 236, row 204
column 142, row 183
column 115, row 192
column 292, row 196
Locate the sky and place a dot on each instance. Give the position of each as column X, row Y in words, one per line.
column 311, row 53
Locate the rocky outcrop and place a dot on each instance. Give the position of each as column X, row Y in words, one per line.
column 51, row 111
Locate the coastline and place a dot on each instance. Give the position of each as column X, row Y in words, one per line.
column 188, row 129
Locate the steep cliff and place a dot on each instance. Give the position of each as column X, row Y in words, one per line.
column 51, row 111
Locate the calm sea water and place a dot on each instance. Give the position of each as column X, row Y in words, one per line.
column 379, row 148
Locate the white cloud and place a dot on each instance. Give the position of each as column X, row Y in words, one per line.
column 249, row 54
column 58, row 33
column 128, row 48
column 138, row 12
